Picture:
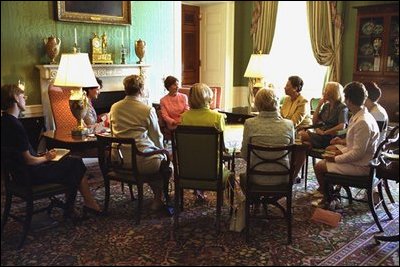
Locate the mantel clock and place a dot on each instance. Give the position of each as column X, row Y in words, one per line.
column 98, row 49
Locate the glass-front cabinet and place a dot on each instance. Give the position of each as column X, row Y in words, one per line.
column 376, row 54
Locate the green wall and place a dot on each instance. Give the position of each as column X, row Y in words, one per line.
column 24, row 25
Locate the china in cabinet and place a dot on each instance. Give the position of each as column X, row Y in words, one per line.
column 377, row 52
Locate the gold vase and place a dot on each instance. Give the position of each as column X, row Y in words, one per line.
column 140, row 49
column 52, row 46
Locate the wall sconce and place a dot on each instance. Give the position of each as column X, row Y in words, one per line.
column 255, row 71
column 75, row 72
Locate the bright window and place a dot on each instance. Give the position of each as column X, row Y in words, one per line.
column 291, row 52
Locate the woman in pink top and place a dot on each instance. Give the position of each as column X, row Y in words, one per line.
column 173, row 104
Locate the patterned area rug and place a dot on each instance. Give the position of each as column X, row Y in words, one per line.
column 116, row 240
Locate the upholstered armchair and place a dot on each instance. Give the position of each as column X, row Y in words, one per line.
column 59, row 102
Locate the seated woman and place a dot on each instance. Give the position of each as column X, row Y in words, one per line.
column 330, row 116
column 68, row 171
column 361, row 141
column 200, row 114
column 91, row 119
column 376, row 110
column 173, row 104
column 268, row 128
column 130, row 118
column 295, row 108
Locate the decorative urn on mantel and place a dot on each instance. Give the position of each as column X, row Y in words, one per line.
column 140, row 49
column 52, row 46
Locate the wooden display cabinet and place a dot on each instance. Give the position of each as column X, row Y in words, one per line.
column 376, row 56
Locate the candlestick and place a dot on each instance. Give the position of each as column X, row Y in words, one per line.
column 122, row 37
column 75, row 37
column 123, row 54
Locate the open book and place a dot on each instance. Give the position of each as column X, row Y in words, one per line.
column 60, row 153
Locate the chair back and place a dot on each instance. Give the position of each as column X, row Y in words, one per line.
column 197, row 153
column 59, row 102
column 387, row 169
column 109, row 146
column 167, row 133
column 14, row 167
column 313, row 104
column 270, row 163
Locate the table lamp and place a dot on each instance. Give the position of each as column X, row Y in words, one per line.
column 75, row 72
column 255, row 71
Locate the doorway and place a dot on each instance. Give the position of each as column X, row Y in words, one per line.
column 190, row 44
column 210, row 58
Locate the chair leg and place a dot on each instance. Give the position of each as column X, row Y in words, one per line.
column 131, row 192
column 177, row 206
column 27, row 223
column 384, row 202
column 289, row 217
column 372, row 208
column 247, row 219
column 349, row 195
column 140, row 202
column 387, row 189
column 181, row 198
column 166, row 192
column 107, row 194
column 305, row 174
column 220, row 196
column 232, row 194
column 6, row 212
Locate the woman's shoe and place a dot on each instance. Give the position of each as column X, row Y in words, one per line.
column 87, row 210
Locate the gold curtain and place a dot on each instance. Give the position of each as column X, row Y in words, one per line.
column 326, row 30
column 263, row 25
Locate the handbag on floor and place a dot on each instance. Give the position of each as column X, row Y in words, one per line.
column 237, row 221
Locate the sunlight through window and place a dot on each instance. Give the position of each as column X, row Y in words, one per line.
column 291, row 52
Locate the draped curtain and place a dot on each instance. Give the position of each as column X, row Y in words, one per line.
column 326, row 30
column 263, row 25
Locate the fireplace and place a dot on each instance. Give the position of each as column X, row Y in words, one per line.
column 105, row 100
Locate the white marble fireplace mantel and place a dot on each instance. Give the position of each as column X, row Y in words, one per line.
column 112, row 76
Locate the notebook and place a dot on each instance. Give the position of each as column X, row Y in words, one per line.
column 60, row 153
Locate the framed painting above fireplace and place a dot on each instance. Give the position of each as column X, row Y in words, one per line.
column 104, row 12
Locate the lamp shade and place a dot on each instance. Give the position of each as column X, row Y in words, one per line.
column 75, row 70
column 257, row 66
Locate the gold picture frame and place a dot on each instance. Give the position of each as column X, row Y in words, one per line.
column 104, row 12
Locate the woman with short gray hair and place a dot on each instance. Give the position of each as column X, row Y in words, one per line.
column 267, row 129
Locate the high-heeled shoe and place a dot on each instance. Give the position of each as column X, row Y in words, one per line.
column 87, row 210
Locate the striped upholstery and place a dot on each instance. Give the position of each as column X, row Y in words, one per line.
column 59, row 102
column 216, row 103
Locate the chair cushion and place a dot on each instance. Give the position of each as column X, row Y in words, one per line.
column 262, row 188
column 205, row 185
column 349, row 180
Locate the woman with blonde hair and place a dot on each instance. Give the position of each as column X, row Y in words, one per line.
column 200, row 114
column 331, row 115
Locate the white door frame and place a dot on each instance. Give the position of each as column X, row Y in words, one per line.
column 230, row 22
